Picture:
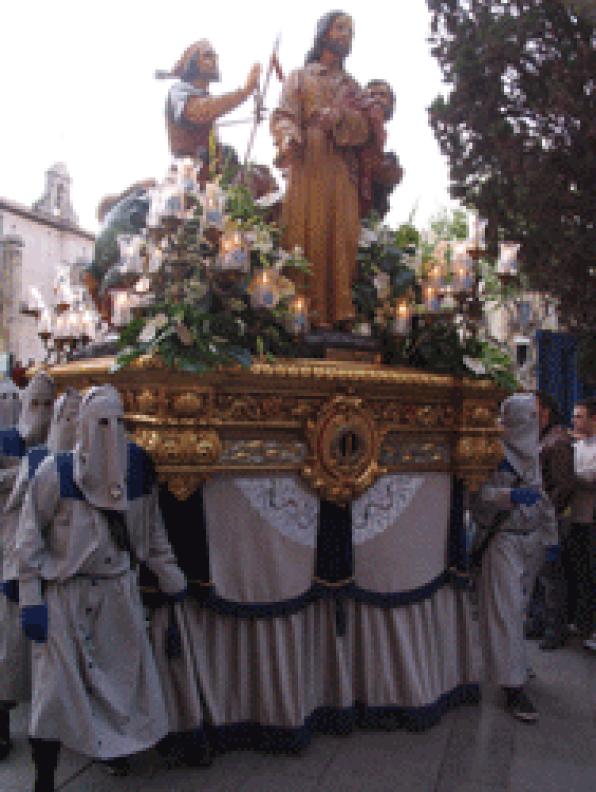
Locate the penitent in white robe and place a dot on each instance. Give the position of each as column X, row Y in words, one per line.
column 96, row 688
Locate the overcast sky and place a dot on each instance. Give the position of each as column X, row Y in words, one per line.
column 76, row 82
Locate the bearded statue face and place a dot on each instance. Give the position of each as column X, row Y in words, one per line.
column 339, row 36
column 207, row 63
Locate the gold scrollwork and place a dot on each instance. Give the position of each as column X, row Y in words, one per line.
column 188, row 404
column 182, row 447
column 344, row 446
column 181, row 485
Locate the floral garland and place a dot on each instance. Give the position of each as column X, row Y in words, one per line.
column 206, row 316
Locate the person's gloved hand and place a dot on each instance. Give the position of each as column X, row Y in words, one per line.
column 525, row 496
column 10, row 589
column 552, row 553
column 34, row 621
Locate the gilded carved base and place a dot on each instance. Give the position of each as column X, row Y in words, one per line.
column 339, row 424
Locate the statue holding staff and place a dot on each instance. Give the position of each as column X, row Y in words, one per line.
column 190, row 109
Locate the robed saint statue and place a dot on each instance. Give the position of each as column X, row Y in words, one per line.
column 319, row 128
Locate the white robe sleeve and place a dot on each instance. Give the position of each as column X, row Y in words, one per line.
column 41, row 504
column 160, row 557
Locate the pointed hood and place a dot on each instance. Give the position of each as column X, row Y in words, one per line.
column 36, row 409
column 65, row 418
column 519, row 416
column 100, row 455
column 10, row 404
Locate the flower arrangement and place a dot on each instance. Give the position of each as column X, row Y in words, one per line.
column 218, row 289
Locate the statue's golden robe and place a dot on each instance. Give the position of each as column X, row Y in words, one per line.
column 320, row 211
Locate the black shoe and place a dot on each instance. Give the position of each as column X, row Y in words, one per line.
column 520, row 706
column 5, row 748
column 551, row 642
column 119, row 768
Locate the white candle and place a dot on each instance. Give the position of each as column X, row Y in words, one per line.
column 476, row 231
column 507, row 264
column 263, row 292
column 298, row 320
column 431, row 298
column 401, row 321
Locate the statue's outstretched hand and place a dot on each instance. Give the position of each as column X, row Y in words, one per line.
column 252, row 81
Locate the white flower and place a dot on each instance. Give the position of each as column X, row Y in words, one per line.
column 149, row 332
column 476, row 366
column 367, row 237
column 298, row 252
column 382, row 285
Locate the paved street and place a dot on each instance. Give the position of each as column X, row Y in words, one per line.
column 474, row 749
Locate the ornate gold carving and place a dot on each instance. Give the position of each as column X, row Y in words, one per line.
column 424, row 415
column 263, row 407
column 483, row 415
column 188, row 404
column 186, row 447
column 181, row 485
column 257, row 452
column 339, row 423
column 402, row 450
column 146, row 401
column 344, row 445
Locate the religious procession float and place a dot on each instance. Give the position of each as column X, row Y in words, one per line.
column 316, row 398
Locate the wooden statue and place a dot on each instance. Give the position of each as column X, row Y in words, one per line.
column 380, row 171
column 319, row 128
column 190, row 109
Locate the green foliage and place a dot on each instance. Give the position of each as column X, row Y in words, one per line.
column 517, row 125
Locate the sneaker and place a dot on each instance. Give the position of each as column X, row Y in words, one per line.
column 520, row 706
column 590, row 643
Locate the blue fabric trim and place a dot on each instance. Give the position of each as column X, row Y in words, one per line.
column 506, row 467
column 11, row 443
column 417, row 718
column 68, row 486
column 400, row 598
column 259, row 610
column 457, row 546
column 140, row 473
column 250, row 735
column 264, row 610
column 253, row 736
column 35, row 457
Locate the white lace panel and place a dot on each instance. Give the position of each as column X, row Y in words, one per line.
column 380, row 506
column 285, row 504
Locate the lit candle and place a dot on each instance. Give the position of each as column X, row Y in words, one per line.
column 263, row 293
column 212, row 202
column 155, row 259
column 476, row 231
column 507, row 264
column 401, row 320
column 431, row 298
column 461, row 267
column 234, row 256
column 298, row 316
column 120, row 308
column 363, row 329
column 435, row 275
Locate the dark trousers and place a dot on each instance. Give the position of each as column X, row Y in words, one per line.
column 45, row 755
column 579, row 559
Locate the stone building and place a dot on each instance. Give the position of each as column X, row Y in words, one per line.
column 514, row 324
column 34, row 243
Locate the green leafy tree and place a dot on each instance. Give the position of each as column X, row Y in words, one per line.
column 518, row 126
